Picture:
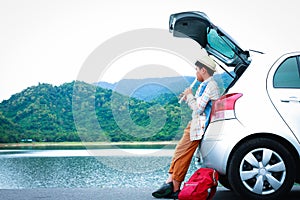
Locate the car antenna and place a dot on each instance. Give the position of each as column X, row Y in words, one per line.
column 256, row 51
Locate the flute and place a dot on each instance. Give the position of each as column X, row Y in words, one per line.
column 191, row 86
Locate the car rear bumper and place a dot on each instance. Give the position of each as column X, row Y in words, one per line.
column 218, row 141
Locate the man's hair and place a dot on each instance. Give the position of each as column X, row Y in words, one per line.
column 209, row 71
column 200, row 65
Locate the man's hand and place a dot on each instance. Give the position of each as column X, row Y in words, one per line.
column 187, row 91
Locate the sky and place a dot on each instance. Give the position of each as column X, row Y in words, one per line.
column 49, row 41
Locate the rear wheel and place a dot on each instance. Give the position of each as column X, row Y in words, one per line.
column 224, row 181
column 261, row 169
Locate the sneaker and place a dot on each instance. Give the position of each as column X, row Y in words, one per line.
column 174, row 195
column 164, row 191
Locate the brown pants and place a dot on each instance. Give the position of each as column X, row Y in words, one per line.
column 183, row 155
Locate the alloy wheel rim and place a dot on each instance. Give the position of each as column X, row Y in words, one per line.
column 262, row 171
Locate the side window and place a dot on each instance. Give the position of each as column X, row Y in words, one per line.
column 220, row 43
column 287, row 75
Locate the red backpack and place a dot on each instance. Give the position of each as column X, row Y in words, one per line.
column 196, row 188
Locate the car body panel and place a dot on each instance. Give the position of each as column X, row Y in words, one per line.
column 286, row 100
column 255, row 109
column 213, row 144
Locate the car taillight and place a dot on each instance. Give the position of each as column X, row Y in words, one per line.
column 223, row 108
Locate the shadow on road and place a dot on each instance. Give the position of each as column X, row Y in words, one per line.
column 108, row 193
column 224, row 194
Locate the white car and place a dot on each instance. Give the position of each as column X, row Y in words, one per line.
column 253, row 138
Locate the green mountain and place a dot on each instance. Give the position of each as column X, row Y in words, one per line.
column 9, row 131
column 79, row 111
column 149, row 89
column 131, row 110
column 43, row 112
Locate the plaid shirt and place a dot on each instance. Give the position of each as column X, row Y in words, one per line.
column 198, row 104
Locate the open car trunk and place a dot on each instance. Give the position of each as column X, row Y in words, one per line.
column 197, row 26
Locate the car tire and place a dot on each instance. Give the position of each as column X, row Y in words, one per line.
column 223, row 180
column 261, row 169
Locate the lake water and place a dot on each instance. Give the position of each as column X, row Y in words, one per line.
column 81, row 168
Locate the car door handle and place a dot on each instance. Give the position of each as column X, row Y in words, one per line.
column 291, row 99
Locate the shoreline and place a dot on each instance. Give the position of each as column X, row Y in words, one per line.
column 85, row 144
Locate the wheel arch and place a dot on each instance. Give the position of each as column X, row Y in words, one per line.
column 272, row 136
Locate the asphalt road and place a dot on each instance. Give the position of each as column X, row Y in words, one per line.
column 107, row 194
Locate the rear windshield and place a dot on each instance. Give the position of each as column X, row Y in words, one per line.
column 220, row 43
